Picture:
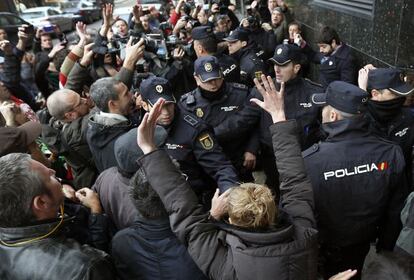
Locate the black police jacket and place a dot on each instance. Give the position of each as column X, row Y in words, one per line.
column 214, row 112
column 339, row 66
column 251, row 64
column 192, row 143
column 358, row 185
column 298, row 106
column 400, row 130
column 230, row 68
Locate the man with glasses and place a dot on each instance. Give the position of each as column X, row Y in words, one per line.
column 72, row 112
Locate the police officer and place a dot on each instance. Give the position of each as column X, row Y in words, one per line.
column 288, row 60
column 357, row 180
column 248, row 55
column 215, row 101
column 189, row 141
column 335, row 57
column 387, row 116
column 205, row 43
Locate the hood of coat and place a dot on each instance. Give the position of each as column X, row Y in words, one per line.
column 102, row 130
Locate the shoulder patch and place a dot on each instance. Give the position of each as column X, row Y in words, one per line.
column 311, row 150
column 190, row 120
column 313, row 83
column 206, row 141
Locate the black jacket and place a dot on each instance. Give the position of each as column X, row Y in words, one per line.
column 339, row 66
column 222, row 251
column 250, row 63
column 101, row 138
column 232, row 98
column 358, row 184
column 55, row 257
column 399, row 129
column 191, row 142
column 148, row 249
column 298, row 106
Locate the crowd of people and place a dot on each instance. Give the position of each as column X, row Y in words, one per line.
column 190, row 143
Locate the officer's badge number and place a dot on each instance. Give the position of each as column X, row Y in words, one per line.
column 206, row 141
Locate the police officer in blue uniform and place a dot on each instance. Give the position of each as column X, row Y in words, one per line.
column 214, row 101
column 386, row 114
column 190, row 141
column 247, row 54
column 205, row 43
column 358, row 182
column 288, row 61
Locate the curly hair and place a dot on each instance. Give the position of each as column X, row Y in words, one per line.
column 251, row 206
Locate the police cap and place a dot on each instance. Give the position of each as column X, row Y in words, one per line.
column 286, row 53
column 388, row 78
column 202, row 32
column 342, row 96
column 207, row 68
column 154, row 88
column 238, row 34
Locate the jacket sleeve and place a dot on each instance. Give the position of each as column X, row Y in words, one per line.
column 312, row 55
column 348, row 71
column 124, row 75
column 391, row 225
column 241, row 122
column 214, row 161
column 295, row 187
column 78, row 77
column 187, row 218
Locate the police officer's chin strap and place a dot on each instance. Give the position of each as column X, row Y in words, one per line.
column 385, row 110
column 213, row 95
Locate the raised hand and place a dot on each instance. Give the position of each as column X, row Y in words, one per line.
column 87, row 55
column 219, row 204
column 273, row 100
column 145, row 133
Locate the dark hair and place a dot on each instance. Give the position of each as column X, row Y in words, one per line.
column 209, row 44
column 297, row 24
column 59, row 58
column 102, row 91
column 327, row 35
column 390, row 266
column 145, row 199
column 19, row 184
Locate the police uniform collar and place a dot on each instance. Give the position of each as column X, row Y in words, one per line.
column 346, row 128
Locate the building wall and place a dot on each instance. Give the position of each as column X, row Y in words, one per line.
column 385, row 39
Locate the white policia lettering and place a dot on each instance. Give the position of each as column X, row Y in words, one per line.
column 228, row 70
column 229, row 108
column 305, row 105
column 401, row 133
column 360, row 169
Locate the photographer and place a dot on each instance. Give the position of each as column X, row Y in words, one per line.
column 266, row 40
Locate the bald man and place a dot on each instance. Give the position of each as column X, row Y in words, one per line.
column 70, row 114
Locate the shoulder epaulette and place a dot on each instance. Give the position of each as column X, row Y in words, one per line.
column 313, row 83
column 191, row 120
column 239, row 86
column 310, row 150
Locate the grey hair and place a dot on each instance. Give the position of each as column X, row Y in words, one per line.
column 57, row 105
column 102, row 91
column 19, row 184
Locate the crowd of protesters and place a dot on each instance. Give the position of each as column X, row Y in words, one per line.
column 189, row 143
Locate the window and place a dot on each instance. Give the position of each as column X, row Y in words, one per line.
column 15, row 20
column 360, row 8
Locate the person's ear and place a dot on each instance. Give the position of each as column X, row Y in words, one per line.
column 69, row 116
column 375, row 93
column 145, row 106
column 334, row 44
column 333, row 116
column 112, row 105
column 244, row 43
column 296, row 68
column 197, row 79
column 41, row 206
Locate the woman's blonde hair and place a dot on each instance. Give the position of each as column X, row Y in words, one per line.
column 251, row 206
